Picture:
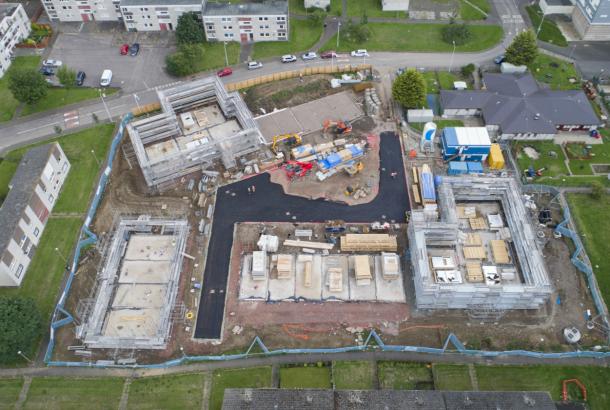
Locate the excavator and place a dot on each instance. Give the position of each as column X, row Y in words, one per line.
column 291, row 140
column 353, row 169
column 342, row 128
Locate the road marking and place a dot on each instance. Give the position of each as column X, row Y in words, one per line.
column 37, row 128
column 71, row 119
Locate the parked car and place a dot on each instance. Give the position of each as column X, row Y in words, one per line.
column 328, row 54
column 225, row 72
column 46, row 70
column 360, row 53
column 52, row 63
column 289, row 58
column 134, row 49
column 124, row 49
column 253, row 65
column 309, row 56
column 500, row 59
column 106, row 78
column 80, row 78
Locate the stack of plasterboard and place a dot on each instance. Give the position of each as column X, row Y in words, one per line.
column 285, row 266
column 477, row 223
column 474, row 273
column 390, row 266
column 259, row 265
column 499, row 251
column 335, row 279
column 362, row 270
column 371, row 242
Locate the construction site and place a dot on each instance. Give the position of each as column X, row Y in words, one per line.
column 306, row 226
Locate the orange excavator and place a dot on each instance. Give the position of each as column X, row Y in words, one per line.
column 339, row 127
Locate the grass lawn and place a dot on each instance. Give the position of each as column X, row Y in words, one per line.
column 303, row 35
column 63, row 394
column 372, row 8
column 548, row 378
column 309, row 377
column 214, row 56
column 353, row 375
column 432, row 86
column 451, row 377
column 549, row 31
column 555, row 72
column 404, row 376
column 440, row 124
column 600, row 154
column 236, row 378
column 8, row 104
column 9, row 392
column 446, row 79
column 553, row 164
column 593, row 220
column 418, row 37
column 168, row 392
column 60, row 96
column 467, row 12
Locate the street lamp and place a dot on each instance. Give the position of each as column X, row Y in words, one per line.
column 137, row 99
column 338, row 34
column 20, row 353
column 452, row 54
column 102, row 95
column 226, row 57
column 95, row 157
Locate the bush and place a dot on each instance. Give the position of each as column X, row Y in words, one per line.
column 20, row 327
column 357, row 33
column 66, row 76
column 467, row 70
column 597, row 190
column 27, row 85
column 523, row 50
column 458, row 33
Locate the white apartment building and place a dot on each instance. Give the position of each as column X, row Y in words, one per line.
column 156, row 15
column 83, row 10
column 14, row 28
column 321, row 4
column 247, row 22
column 24, row 213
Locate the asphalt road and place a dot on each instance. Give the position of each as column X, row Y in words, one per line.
column 270, row 204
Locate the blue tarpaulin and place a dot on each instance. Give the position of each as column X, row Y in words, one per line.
column 427, row 186
column 474, row 167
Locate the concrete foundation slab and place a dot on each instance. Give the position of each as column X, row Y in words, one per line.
column 145, row 272
column 127, row 323
column 150, row 248
column 281, row 289
column 361, row 292
column 250, row 289
column 139, row 297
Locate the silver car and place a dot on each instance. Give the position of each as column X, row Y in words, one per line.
column 309, row 56
column 253, row 65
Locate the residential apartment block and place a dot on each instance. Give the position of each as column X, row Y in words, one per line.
column 321, row 4
column 591, row 19
column 156, row 15
column 14, row 28
column 83, row 10
column 247, row 22
column 24, row 213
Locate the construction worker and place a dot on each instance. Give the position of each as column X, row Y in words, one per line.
column 249, row 190
column 393, row 174
column 253, row 188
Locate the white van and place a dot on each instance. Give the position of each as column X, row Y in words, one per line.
column 106, row 78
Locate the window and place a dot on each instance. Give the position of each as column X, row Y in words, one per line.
column 36, row 232
column 281, row 18
column 19, row 271
column 51, row 198
column 64, row 167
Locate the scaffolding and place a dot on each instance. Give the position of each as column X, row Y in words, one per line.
column 136, row 286
column 529, row 290
column 186, row 140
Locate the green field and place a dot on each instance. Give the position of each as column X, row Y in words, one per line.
column 403, row 375
column 548, row 378
column 353, row 375
column 60, row 96
column 9, row 392
column 309, row 377
column 549, row 31
column 418, row 37
column 236, row 378
column 467, row 12
column 372, row 8
column 214, row 55
column 8, row 104
column 553, row 163
column 555, row 72
column 451, row 377
column 592, row 218
column 63, row 394
column 303, row 35
column 175, row 392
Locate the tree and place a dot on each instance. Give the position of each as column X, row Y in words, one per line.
column 66, row 76
column 458, row 33
column 523, row 50
column 597, row 190
column 20, row 326
column 355, row 33
column 27, row 85
column 317, row 16
column 189, row 29
column 186, row 60
column 467, row 70
column 409, row 89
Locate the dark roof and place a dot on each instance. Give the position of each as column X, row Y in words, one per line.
column 271, row 7
column 305, row 399
column 518, row 104
column 22, row 187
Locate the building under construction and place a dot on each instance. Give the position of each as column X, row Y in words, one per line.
column 136, row 286
column 199, row 123
column 482, row 253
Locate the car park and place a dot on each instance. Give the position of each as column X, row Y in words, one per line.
column 134, row 49
column 52, row 63
column 309, row 56
column 225, row 72
column 360, row 53
column 328, row 54
column 80, row 78
column 106, row 78
column 253, row 65
column 289, row 58
column 46, row 70
column 500, row 59
column 124, row 49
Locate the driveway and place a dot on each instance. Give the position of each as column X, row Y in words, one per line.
column 94, row 52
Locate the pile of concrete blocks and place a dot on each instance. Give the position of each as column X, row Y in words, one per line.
column 259, row 265
column 372, row 103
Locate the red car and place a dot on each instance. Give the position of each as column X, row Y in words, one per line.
column 328, row 54
column 124, row 49
column 225, row 72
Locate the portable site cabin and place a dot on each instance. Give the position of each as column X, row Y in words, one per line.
column 495, row 159
column 465, row 143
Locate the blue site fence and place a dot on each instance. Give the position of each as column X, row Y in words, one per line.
column 373, row 341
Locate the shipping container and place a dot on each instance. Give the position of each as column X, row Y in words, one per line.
column 474, row 167
column 457, row 168
column 496, row 159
